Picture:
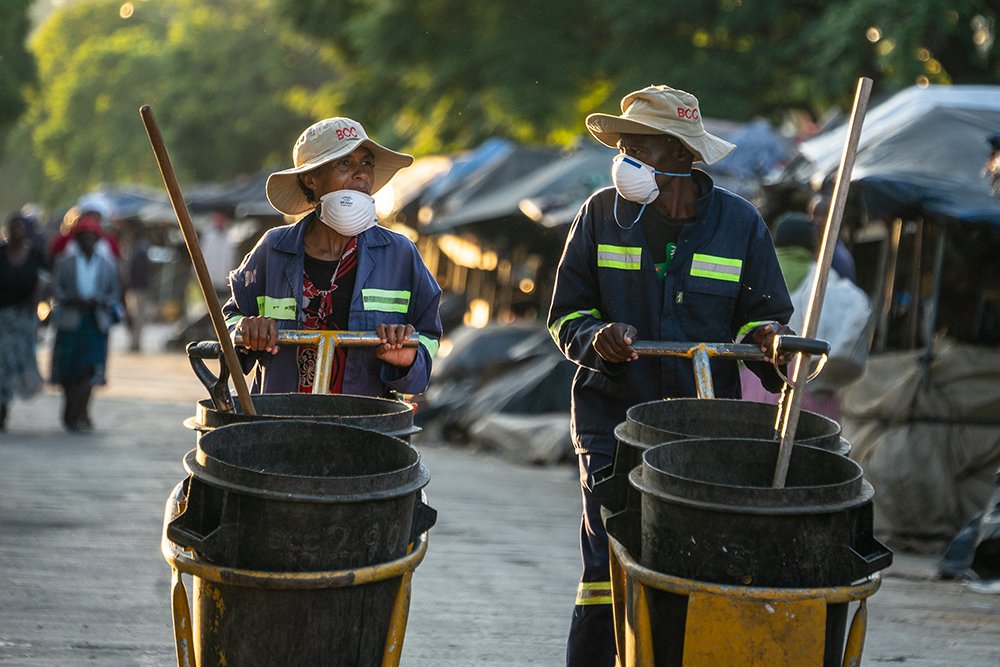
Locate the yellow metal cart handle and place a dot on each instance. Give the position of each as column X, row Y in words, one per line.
column 325, row 341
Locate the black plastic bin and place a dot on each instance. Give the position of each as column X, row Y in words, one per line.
column 298, row 496
column 656, row 422
column 708, row 512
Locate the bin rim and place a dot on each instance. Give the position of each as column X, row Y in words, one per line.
column 635, row 428
column 205, row 408
column 401, row 481
column 844, row 494
column 860, row 590
column 233, row 576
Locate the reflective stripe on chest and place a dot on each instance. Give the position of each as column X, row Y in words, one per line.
column 385, row 300
column 619, row 257
column 716, row 268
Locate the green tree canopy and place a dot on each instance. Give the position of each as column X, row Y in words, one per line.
column 442, row 74
column 225, row 80
column 17, row 67
column 233, row 81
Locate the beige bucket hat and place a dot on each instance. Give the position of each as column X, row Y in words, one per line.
column 320, row 143
column 661, row 110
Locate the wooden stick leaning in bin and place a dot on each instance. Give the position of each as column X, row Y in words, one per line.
column 197, row 259
column 791, row 407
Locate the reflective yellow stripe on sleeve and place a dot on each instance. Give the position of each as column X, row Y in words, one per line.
column 747, row 328
column 593, row 592
column 557, row 325
column 431, row 344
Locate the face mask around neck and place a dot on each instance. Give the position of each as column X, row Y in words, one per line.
column 347, row 212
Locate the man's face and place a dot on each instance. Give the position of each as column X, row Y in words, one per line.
column 662, row 152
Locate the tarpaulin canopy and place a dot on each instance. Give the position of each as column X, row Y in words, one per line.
column 453, row 201
column 564, row 180
column 921, row 152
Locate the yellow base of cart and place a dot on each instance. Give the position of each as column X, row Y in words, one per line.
column 729, row 625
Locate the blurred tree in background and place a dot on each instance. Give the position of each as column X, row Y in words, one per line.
column 444, row 74
column 234, row 81
column 17, row 67
column 222, row 78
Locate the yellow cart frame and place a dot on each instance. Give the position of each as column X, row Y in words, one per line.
column 183, row 561
column 752, row 617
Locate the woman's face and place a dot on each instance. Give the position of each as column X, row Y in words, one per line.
column 355, row 171
column 86, row 241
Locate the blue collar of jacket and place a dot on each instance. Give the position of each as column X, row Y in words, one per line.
column 706, row 186
column 292, row 239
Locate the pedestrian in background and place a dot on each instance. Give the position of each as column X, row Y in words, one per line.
column 63, row 242
column 220, row 253
column 992, row 168
column 86, row 291
column 663, row 255
column 844, row 318
column 843, row 260
column 336, row 269
column 22, row 266
column 138, row 276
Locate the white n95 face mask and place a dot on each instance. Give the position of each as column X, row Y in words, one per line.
column 347, row 212
column 635, row 181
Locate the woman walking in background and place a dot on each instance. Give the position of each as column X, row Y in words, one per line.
column 21, row 265
column 86, row 294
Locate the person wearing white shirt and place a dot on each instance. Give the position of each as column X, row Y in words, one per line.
column 86, row 301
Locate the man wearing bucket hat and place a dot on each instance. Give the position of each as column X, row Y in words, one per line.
column 336, row 269
column 663, row 255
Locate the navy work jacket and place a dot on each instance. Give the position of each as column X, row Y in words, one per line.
column 392, row 286
column 722, row 282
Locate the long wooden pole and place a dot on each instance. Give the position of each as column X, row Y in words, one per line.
column 197, row 259
column 793, row 405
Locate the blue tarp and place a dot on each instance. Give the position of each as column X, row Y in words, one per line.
column 922, row 152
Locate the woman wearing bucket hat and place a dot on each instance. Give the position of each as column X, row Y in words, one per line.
column 663, row 255
column 336, row 269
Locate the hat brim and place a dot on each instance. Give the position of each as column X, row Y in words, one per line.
column 287, row 197
column 705, row 147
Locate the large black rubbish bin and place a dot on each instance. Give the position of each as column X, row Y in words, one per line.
column 709, row 513
column 655, row 422
column 377, row 414
column 296, row 496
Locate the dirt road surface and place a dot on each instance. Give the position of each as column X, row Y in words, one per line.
column 82, row 581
